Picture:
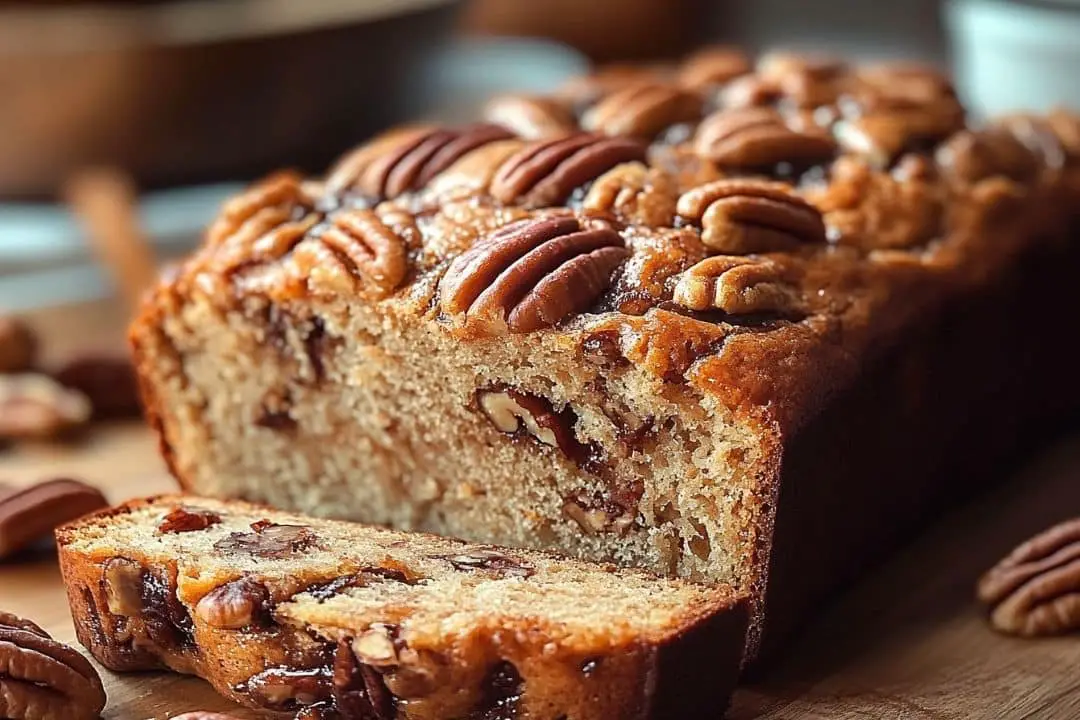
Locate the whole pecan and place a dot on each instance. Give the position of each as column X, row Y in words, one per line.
column 746, row 216
column 973, row 155
column 546, row 173
column 531, row 274
column 736, row 285
column 106, row 379
column 355, row 252
column 1035, row 590
column 35, row 406
column 33, row 512
column 636, row 194
column 530, row 116
column 42, row 679
column 712, row 66
column 759, row 138
column 18, row 345
column 642, row 110
column 409, row 160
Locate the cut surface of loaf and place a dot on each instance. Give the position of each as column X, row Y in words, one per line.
column 281, row 611
column 664, row 319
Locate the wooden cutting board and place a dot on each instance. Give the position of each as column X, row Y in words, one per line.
column 907, row 643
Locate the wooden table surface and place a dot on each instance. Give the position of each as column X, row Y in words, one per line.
column 907, row 643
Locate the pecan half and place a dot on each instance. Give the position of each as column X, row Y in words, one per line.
column 261, row 225
column 18, row 345
column 358, row 690
column 242, row 603
column 712, row 66
column 41, row 679
column 1035, row 590
column 32, row 513
column 280, row 688
column 107, row 380
column 746, row 216
column 736, row 285
column 409, row 160
column 355, row 252
column 974, row 155
column 35, row 406
column 269, row 540
column 532, row 274
column 187, row 519
column 546, row 173
column 634, row 193
column 530, row 117
column 642, row 110
column 490, row 562
column 759, row 138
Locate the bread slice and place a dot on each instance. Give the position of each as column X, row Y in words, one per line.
column 282, row 611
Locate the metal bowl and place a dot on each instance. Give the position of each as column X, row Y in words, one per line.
column 189, row 91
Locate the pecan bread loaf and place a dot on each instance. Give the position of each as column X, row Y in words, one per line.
column 286, row 612
column 740, row 323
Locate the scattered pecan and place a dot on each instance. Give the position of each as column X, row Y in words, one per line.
column 490, row 562
column 243, row 603
column 642, row 110
column 512, row 411
column 586, row 90
column 18, row 345
column 712, row 66
column 35, row 406
column 746, row 216
column 597, row 518
column 358, row 690
column 1035, row 590
column 800, row 81
column 32, row 513
column 635, row 194
column 736, row 285
column 355, row 252
column 546, row 173
column 107, row 380
column 42, row 679
column 759, row 138
column 974, row 155
column 530, row 117
column 409, row 159
column 187, row 519
column 532, row 274
column 269, row 540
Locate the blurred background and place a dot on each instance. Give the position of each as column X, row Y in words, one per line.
column 184, row 100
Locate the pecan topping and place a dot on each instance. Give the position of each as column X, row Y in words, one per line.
column 971, row 156
column 358, row 689
column 490, row 562
column 187, row 519
column 107, row 381
column 409, row 160
column 530, row 117
column 735, row 285
column 546, row 173
column 1035, row 590
column 532, row 274
column 238, row 604
column 713, row 66
column 745, row 216
column 32, row 513
column 355, row 252
column 269, row 540
column 634, row 193
column 287, row 689
column 41, row 678
column 759, row 138
column 18, row 345
column 36, row 406
column 642, row 111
